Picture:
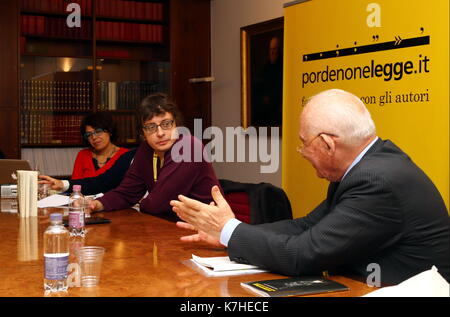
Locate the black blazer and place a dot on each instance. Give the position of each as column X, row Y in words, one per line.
column 268, row 203
column 385, row 211
column 108, row 180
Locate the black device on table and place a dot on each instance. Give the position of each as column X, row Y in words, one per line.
column 90, row 221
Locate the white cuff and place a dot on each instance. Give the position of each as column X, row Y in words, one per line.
column 227, row 231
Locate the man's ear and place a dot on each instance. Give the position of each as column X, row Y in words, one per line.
column 329, row 144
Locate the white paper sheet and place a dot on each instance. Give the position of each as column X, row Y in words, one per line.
column 222, row 266
column 426, row 284
column 58, row 200
column 53, row 201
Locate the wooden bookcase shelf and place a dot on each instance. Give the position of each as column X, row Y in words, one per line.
column 58, row 99
column 130, row 42
column 55, row 54
column 124, row 50
column 56, row 38
column 52, row 145
column 139, row 21
column 51, row 14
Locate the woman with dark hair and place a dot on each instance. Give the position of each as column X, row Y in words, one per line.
column 99, row 133
column 155, row 169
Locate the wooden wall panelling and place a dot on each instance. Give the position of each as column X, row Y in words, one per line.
column 190, row 55
column 9, row 83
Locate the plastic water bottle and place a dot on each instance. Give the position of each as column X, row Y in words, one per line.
column 76, row 212
column 56, row 255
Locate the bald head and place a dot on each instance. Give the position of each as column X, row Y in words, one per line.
column 339, row 113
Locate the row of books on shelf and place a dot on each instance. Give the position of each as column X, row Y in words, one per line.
column 50, row 129
column 124, row 31
column 38, row 25
column 126, row 129
column 126, row 95
column 54, row 27
column 55, row 6
column 51, row 161
column 55, row 95
column 63, row 129
column 153, row 11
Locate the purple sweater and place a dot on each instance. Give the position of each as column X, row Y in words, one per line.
column 191, row 179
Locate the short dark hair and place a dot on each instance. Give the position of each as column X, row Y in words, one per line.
column 103, row 120
column 157, row 104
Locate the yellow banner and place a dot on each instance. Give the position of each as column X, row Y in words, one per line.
column 394, row 55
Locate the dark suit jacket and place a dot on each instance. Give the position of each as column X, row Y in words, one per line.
column 385, row 211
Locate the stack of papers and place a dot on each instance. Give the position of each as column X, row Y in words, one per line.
column 58, row 200
column 27, row 189
column 222, row 266
column 53, row 201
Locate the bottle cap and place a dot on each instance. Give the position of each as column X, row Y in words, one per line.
column 56, row 217
column 76, row 188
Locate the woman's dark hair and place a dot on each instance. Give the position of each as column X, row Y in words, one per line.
column 103, row 120
column 157, row 104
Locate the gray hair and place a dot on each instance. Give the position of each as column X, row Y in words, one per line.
column 340, row 113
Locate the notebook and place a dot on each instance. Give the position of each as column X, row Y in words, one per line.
column 9, row 167
column 293, row 286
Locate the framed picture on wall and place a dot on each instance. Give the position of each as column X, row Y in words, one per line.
column 262, row 73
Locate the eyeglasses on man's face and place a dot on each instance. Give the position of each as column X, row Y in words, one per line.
column 153, row 127
column 96, row 132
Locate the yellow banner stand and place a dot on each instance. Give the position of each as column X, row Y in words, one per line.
column 394, row 55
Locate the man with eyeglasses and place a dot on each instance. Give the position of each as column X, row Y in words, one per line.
column 154, row 170
column 380, row 207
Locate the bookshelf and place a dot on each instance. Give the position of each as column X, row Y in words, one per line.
column 108, row 63
column 123, row 51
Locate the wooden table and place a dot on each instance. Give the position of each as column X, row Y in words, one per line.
column 144, row 257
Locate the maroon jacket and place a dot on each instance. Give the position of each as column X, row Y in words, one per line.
column 191, row 179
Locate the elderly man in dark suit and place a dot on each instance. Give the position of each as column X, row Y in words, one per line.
column 380, row 207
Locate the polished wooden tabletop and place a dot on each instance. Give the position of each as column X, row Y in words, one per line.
column 144, row 258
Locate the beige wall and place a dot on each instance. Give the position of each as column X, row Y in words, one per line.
column 227, row 17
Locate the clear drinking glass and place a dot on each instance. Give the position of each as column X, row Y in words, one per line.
column 90, row 259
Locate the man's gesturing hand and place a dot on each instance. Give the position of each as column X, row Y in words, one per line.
column 207, row 218
column 200, row 236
